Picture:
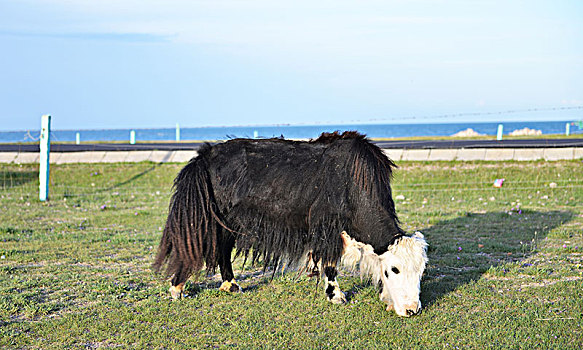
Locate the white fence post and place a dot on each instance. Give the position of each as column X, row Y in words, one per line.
column 499, row 134
column 45, row 149
column 567, row 129
column 77, row 138
column 177, row 132
column 132, row 137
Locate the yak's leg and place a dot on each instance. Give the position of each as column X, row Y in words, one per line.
column 177, row 284
column 176, row 291
column 333, row 292
column 227, row 275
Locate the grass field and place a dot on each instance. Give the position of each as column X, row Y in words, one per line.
column 505, row 266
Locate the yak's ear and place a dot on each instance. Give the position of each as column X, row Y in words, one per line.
column 421, row 239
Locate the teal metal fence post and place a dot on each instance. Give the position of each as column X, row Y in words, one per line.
column 45, row 149
column 132, row 137
column 177, row 132
column 499, row 134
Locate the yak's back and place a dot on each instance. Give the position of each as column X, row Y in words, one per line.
column 292, row 172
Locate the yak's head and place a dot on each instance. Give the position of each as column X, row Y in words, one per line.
column 398, row 270
column 401, row 267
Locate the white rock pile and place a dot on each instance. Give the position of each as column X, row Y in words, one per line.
column 526, row 132
column 469, row 132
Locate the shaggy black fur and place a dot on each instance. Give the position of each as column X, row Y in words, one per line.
column 278, row 199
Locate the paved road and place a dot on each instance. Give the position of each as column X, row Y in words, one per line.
column 449, row 144
column 405, row 144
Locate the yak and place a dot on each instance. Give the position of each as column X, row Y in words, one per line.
column 277, row 200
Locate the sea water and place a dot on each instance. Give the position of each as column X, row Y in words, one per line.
column 286, row 131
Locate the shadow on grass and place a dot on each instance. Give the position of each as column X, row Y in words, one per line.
column 10, row 179
column 461, row 250
column 133, row 178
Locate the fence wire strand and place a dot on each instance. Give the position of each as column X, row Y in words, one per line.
column 78, row 191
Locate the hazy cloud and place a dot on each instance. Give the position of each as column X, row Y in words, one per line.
column 121, row 37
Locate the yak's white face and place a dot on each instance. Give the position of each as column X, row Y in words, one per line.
column 399, row 269
column 400, row 272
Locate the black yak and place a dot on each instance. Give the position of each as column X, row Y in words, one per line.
column 274, row 199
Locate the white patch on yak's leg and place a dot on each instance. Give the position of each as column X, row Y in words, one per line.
column 334, row 293
column 176, row 291
column 230, row 286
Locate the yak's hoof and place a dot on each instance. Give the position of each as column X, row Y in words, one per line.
column 231, row 287
column 176, row 291
column 338, row 298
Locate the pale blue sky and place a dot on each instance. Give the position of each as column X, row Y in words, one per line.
column 144, row 64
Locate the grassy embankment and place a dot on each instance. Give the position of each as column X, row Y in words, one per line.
column 505, row 266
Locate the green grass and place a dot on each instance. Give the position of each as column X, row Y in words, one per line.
column 505, row 266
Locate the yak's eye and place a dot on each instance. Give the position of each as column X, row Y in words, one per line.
column 395, row 270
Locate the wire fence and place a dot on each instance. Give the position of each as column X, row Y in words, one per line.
column 70, row 191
